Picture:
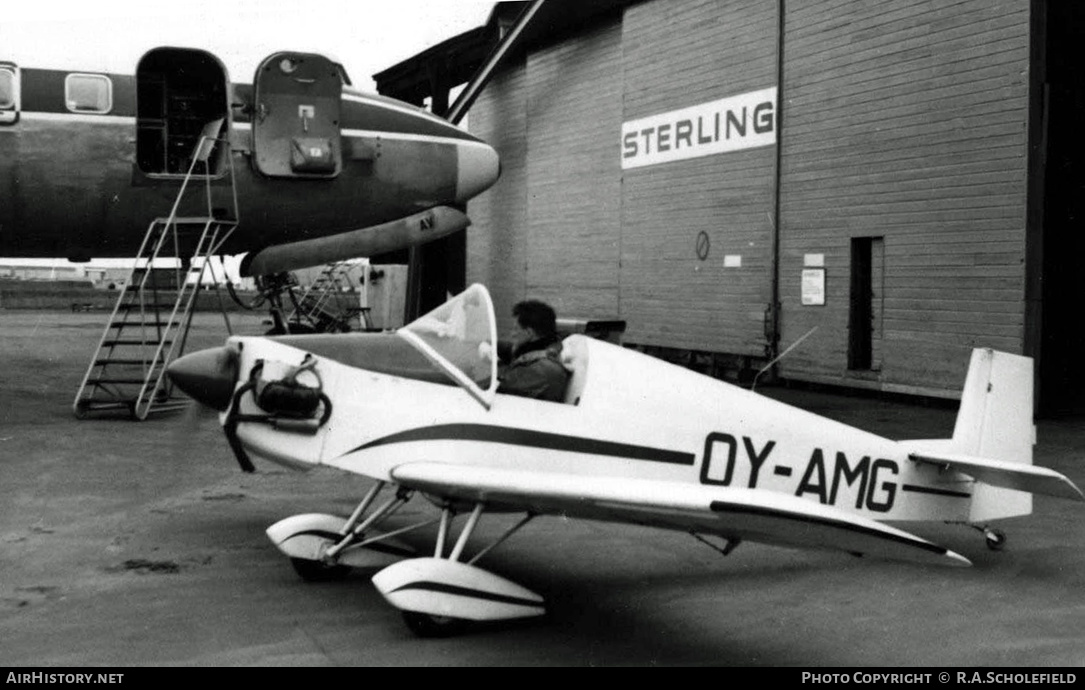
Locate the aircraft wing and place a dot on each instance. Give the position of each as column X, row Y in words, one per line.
column 1008, row 475
column 732, row 513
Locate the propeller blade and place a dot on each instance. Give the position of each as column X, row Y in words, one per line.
column 189, row 427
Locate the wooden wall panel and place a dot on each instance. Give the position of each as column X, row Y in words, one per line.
column 906, row 121
column 574, row 109
column 498, row 235
column 677, row 55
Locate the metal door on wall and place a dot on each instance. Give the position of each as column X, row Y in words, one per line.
column 296, row 118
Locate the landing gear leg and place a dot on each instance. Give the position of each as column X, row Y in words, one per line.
column 355, row 528
column 443, row 594
column 316, row 543
column 430, row 625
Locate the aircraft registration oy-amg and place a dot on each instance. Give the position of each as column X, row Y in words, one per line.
column 635, row 440
column 323, row 172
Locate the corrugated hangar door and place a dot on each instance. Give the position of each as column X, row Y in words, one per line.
column 573, row 177
column 698, row 158
column 497, row 237
column 903, row 189
column 549, row 229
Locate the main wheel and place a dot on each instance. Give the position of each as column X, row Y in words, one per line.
column 996, row 539
column 426, row 625
column 316, row 571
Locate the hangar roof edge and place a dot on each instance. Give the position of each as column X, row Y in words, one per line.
column 454, row 61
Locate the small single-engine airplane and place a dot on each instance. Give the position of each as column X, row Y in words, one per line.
column 636, row 440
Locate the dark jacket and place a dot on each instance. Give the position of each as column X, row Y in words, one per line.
column 535, row 371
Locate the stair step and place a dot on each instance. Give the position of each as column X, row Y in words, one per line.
column 169, row 405
column 148, row 325
column 99, row 382
column 134, row 306
column 153, row 312
column 114, row 360
column 98, row 405
column 124, row 341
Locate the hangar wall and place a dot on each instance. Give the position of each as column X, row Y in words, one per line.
column 497, row 238
column 906, row 124
column 899, row 180
column 682, row 54
column 550, row 228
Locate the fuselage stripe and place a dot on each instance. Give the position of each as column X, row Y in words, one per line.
column 387, row 104
column 128, row 120
column 724, row 507
column 931, row 490
column 407, row 136
column 534, row 439
column 77, row 117
column 467, row 592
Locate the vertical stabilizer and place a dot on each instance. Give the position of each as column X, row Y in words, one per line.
column 995, row 422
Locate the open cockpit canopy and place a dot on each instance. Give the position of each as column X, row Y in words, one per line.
column 460, row 338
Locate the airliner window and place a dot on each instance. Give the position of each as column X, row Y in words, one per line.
column 7, row 89
column 88, row 93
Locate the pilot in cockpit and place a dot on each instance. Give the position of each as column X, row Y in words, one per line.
column 533, row 368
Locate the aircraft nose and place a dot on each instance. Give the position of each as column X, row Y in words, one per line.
column 477, row 168
column 208, row 376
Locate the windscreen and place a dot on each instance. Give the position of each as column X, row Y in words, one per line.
column 460, row 338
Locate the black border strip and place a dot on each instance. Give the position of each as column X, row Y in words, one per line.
column 724, row 507
column 442, row 588
column 931, row 490
column 534, row 439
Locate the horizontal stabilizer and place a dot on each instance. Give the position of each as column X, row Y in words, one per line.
column 1008, row 475
column 733, row 513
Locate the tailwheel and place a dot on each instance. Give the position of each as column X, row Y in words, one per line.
column 427, row 625
column 996, row 539
column 318, row 571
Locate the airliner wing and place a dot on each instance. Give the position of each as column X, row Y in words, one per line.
column 732, row 513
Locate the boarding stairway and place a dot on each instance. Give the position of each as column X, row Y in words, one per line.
column 150, row 322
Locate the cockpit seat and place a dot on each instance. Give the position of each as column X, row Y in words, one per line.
column 574, row 357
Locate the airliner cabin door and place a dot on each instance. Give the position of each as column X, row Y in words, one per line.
column 296, row 116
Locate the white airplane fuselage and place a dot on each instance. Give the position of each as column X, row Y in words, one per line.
column 637, row 417
column 636, row 440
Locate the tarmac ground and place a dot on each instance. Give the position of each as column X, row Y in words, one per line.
column 129, row 543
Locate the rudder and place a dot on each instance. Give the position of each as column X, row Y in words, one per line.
column 995, row 422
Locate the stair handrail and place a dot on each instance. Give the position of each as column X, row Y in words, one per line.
column 202, row 154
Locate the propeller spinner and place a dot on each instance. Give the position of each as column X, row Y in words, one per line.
column 208, row 376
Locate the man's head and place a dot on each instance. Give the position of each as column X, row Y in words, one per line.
column 535, row 320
